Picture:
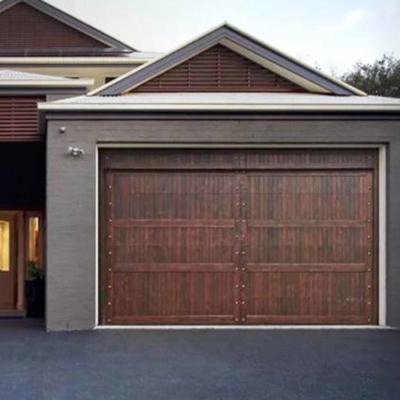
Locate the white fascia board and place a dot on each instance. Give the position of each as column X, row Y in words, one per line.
column 217, row 107
column 76, row 83
column 303, row 64
column 74, row 60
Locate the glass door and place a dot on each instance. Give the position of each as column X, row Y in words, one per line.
column 8, row 268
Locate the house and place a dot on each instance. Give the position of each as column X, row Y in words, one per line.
column 223, row 183
column 45, row 55
column 36, row 37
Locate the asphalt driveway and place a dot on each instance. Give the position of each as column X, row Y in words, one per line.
column 190, row 365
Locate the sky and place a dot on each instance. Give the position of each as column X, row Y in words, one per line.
column 330, row 34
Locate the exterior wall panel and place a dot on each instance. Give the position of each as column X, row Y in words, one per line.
column 19, row 118
column 18, row 23
column 72, row 197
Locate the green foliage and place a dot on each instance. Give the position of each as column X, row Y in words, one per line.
column 381, row 78
column 34, row 272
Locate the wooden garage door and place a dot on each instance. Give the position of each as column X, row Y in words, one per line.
column 238, row 237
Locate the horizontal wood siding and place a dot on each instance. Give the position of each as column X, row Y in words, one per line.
column 19, row 118
column 238, row 236
column 24, row 27
column 219, row 69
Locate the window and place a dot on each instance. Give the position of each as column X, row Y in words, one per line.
column 4, row 246
column 33, row 240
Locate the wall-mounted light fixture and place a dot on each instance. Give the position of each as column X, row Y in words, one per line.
column 62, row 129
column 76, row 151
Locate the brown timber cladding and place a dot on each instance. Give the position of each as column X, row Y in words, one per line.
column 19, row 118
column 238, row 237
column 219, row 69
column 23, row 27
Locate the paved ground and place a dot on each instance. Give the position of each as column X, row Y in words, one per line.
column 191, row 365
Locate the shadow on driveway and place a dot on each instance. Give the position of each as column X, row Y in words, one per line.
column 191, row 365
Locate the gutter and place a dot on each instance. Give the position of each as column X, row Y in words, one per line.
column 77, row 60
column 73, row 83
column 219, row 107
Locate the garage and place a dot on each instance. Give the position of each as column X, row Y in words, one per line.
column 238, row 236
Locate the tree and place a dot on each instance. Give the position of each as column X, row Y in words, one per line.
column 381, row 78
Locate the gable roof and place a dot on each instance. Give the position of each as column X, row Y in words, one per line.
column 101, row 43
column 270, row 58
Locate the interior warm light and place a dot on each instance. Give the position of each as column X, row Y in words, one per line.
column 4, row 246
column 33, row 254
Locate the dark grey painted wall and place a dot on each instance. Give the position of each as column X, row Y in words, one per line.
column 71, row 192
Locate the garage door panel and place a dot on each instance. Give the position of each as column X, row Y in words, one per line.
column 245, row 236
column 321, row 159
column 172, row 320
column 236, row 159
column 178, row 294
column 172, row 159
column 307, row 245
column 308, row 267
column 170, row 195
column 309, row 239
column 173, row 267
column 319, row 295
column 309, row 197
column 171, row 240
column 307, row 320
column 178, row 245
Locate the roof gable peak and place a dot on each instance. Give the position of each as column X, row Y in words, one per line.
column 92, row 41
column 243, row 44
column 218, row 69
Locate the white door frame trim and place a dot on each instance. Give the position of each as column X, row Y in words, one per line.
column 382, row 244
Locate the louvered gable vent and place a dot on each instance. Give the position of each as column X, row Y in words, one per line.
column 219, row 69
column 19, row 118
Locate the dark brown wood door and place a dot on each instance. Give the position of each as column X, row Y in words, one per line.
column 309, row 241
column 229, row 237
column 8, row 267
column 170, row 241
